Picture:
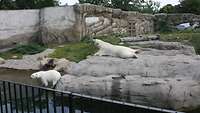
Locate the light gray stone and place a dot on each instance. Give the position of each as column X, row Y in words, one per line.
column 172, row 93
column 62, row 65
column 160, row 45
column 59, row 27
column 140, row 38
column 163, row 77
column 18, row 26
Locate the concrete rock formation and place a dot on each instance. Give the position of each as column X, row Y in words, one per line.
column 161, row 76
column 62, row 65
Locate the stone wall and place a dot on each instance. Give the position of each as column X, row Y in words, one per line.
column 48, row 25
column 58, row 25
column 70, row 23
column 99, row 20
column 18, row 26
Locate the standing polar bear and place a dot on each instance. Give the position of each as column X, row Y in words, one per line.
column 107, row 49
column 47, row 76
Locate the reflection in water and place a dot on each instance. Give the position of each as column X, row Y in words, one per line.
column 115, row 89
column 21, row 76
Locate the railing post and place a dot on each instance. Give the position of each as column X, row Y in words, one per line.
column 82, row 108
column 71, row 103
column 27, row 102
column 62, row 102
column 15, row 93
column 54, row 101
column 10, row 97
column 21, row 98
column 33, row 99
column 47, row 99
column 5, row 96
column 1, row 102
column 40, row 100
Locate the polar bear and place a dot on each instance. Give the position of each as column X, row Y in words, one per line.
column 107, row 49
column 47, row 76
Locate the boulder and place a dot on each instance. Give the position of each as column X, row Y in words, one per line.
column 166, row 46
column 171, row 93
column 62, row 65
column 140, row 38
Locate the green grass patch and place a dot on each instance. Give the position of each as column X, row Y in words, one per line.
column 80, row 50
column 113, row 39
column 74, row 51
column 21, row 50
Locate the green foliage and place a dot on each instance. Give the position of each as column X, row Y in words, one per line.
column 27, row 4
column 190, row 6
column 21, row 50
column 188, row 38
column 113, row 39
column 167, row 9
column 147, row 6
column 96, row 2
column 150, row 7
column 163, row 27
column 7, row 4
column 185, row 6
column 195, row 41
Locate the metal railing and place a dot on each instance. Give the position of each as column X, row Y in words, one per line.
column 22, row 98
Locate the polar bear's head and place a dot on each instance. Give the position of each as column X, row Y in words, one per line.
column 36, row 75
column 100, row 43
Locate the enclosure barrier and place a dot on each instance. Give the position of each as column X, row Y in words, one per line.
column 22, row 98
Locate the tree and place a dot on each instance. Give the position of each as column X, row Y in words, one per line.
column 150, row 6
column 190, row 6
column 168, row 9
column 7, row 4
column 147, row 6
column 96, row 2
column 27, row 4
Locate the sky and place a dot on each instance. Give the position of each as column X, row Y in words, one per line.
column 162, row 2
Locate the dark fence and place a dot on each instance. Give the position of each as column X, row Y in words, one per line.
column 22, row 98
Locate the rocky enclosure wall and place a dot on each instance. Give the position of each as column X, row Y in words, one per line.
column 48, row 25
column 99, row 20
column 18, row 26
column 70, row 23
column 58, row 25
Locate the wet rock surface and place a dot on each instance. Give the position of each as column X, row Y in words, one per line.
column 163, row 77
column 28, row 62
column 62, row 65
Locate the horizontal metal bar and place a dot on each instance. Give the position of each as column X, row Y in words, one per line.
column 97, row 98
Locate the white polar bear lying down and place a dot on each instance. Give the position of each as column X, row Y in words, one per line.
column 47, row 76
column 107, row 49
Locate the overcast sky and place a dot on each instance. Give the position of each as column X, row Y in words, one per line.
column 162, row 2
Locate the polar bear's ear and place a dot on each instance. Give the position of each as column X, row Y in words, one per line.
column 33, row 76
column 135, row 56
column 138, row 51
